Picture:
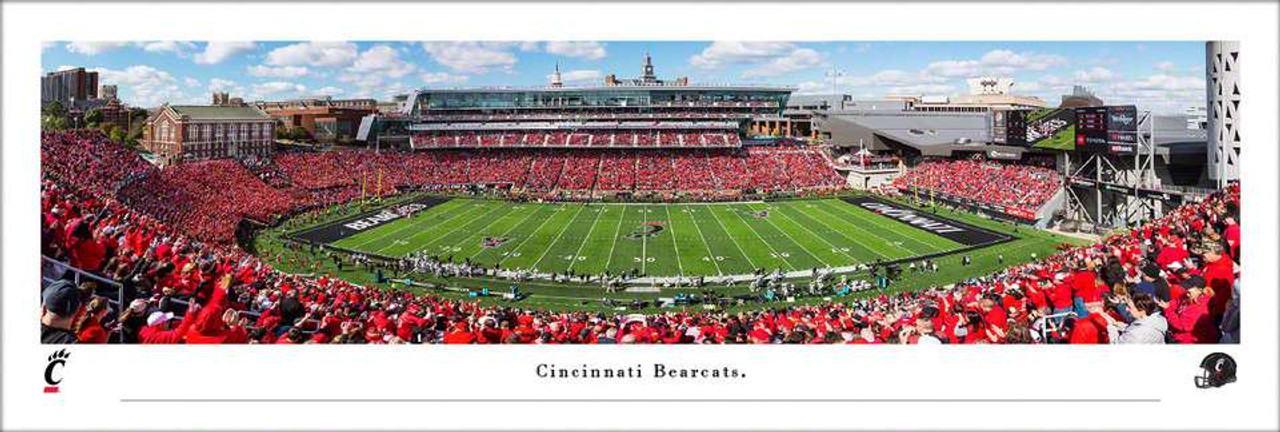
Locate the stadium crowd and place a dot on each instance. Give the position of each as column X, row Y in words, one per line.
column 1171, row 280
column 986, row 182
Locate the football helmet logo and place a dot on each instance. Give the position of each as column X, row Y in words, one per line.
column 1216, row 370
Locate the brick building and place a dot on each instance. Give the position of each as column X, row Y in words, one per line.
column 325, row 119
column 175, row 133
column 68, row 87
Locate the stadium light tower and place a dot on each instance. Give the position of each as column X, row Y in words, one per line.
column 835, row 75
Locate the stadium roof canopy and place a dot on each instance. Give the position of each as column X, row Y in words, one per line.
column 929, row 133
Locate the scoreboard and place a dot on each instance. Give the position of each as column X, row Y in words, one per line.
column 1111, row 129
column 1105, row 129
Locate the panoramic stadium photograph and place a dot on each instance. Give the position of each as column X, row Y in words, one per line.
column 633, row 192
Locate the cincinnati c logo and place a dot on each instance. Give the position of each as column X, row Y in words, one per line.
column 52, row 372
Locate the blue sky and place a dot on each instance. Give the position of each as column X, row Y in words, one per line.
column 1163, row 76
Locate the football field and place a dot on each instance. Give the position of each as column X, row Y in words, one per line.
column 653, row 239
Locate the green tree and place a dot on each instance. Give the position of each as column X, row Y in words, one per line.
column 93, row 117
column 55, row 109
column 52, row 122
column 117, row 135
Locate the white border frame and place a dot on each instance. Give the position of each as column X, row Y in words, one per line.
column 98, row 377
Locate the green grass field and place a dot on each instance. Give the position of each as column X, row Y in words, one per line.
column 272, row 246
column 654, row 239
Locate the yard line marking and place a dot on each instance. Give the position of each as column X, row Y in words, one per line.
column 585, row 240
column 762, row 240
column 561, row 234
column 705, row 244
column 526, row 239
column 504, row 234
column 864, row 219
column 613, row 244
column 793, row 240
column 734, row 240
column 409, row 241
column 644, row 245
column 674, row 243
column 824, row 239
column 423, row 247
column 853, row 239
column 413, row 224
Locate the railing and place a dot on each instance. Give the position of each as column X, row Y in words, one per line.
column 52, row 270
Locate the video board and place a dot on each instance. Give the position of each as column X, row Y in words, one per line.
column 1046, row 128
column 1095, row 129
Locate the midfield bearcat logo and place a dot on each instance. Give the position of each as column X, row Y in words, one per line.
column 52, row 377
column 647, row 229
column 758, row 214
column 493, row 242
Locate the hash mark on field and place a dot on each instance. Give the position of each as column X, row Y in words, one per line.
column 433, row 241
column 792, row 239
column 411, row 224
column 443, row 236
column 704, row 242
column 531, row 235
column 553, row 241
column 674, row 243
column 504, row 234
column 585, row 239
column 824, row 239
column 613, row 244
column 766, row 242
column 734, row 240
column 864, row 219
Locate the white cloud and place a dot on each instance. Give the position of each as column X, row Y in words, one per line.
column 729, row 52
column 329, row 91
column 217, row 51
column 578, row 76
column 277, row 72
column 94, row 48
column 46, row 45
column 580, row 49
column 191, row 82
column 1094, row 75
column 798, row 60
column 922, row 89
column 1005, row 61
column 472, row 57
column 143, row 85
column 320, row 54
column 261, row 90
column 954, row 68
column 381, row 59
column 441, row 78
column 222, row 85
column 178, row 47
column 64, row 67
column 1163, row 82
column 1165, row 65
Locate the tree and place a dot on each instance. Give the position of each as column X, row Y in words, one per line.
column 93, row 117
column 118, row 135
column 55, row 109
column 51, row 122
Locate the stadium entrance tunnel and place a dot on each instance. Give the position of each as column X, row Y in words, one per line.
column 953, row 230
